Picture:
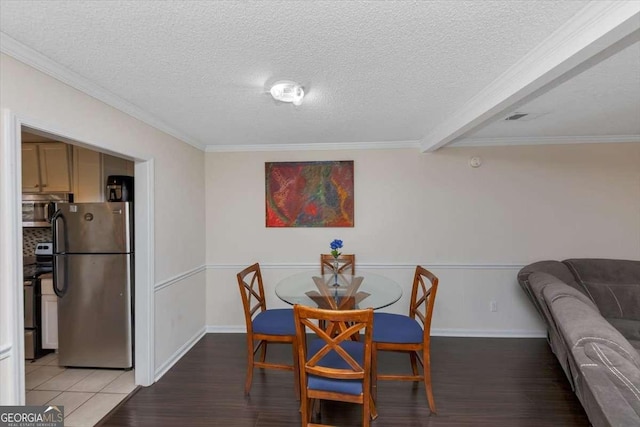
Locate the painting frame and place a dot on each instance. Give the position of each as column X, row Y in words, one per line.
column 309, row 194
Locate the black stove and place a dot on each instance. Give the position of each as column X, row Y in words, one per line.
column 33, row 307
column 39, row 264
column 35, row 270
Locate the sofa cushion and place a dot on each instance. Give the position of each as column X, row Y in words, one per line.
column 616, row 300
column 620, row 371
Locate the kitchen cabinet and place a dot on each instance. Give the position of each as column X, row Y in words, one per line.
column 30, row 168
column 90, row 172
column 87, row 175
column 49, row 313
column 46, row 168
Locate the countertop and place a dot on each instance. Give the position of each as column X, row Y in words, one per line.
column 31, row 270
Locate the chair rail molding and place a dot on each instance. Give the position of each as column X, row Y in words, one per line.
column 372, row 266
column 179, row 277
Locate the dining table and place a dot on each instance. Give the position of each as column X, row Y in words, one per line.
column 339, row 290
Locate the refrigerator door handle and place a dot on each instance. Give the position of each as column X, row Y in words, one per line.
column 56, row 254
column 56, row 273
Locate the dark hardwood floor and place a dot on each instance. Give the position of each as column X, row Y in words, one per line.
column 476, row 382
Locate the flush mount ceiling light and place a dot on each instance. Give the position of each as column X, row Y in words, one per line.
column 287, row 91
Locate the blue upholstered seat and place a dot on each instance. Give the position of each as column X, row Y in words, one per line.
column 334, row 360
column 278, row 321
column 396, row 328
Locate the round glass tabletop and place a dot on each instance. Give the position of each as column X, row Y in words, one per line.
column 341, row 291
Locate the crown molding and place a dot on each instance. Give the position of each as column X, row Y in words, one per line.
column 596, row 32
column 544, row 140
column 35, row 59
column 320, row 146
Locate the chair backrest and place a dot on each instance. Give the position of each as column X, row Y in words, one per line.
column 346, row 262
column 252, row 292
column 344, row 366
column 423, row 298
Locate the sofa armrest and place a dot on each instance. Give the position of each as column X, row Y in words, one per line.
column 614, row 384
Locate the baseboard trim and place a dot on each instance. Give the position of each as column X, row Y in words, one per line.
column 372, row 266
column 488, row 333
column 168, row 364
column 211, row 329
column 470, row 333
column 180, row 277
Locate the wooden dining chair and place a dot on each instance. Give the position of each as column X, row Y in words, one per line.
column 346, row 263
column 334, row 367
column 410, row 334
column 264, row 326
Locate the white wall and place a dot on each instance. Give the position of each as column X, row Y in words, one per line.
column 473, row 227
column 179, row 214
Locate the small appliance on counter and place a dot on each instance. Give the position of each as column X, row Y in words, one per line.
column 33, row 268
column 120, row 188
column 38, row 208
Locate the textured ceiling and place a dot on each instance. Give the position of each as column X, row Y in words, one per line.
column 373, row 71
column 602, row 101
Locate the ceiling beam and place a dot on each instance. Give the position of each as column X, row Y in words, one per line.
column 598, row 31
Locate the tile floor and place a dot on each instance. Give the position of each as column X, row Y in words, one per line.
column 86, row 394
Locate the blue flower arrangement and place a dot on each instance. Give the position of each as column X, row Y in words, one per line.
column 335, row 245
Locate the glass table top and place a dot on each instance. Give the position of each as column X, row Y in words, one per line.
column 341, row 291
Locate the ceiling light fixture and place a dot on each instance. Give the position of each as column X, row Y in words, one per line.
column 287, row 91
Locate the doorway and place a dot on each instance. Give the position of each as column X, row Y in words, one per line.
column 11, row 241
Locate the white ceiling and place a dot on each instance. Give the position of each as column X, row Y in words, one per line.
column 376, row 74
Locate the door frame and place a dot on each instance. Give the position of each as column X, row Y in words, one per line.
column 11, row 254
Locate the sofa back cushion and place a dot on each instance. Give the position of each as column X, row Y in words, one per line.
column 614, row 285
column 598, row 270
column 616, row 300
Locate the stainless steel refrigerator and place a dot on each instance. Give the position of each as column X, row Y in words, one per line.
column 93, row 278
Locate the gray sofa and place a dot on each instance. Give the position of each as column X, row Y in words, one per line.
column 592, row 311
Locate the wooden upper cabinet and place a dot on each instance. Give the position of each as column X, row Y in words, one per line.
column 30, row 169
column 46, row 168
column 87, row 179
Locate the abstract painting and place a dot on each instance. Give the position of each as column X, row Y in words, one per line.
column 309, row 194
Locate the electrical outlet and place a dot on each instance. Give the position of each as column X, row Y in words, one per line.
column 493, row 306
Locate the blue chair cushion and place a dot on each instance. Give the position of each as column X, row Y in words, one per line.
column 278, row 321
column 396, row 328
column 334, row 360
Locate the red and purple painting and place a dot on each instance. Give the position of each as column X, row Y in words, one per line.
column 309, row 194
